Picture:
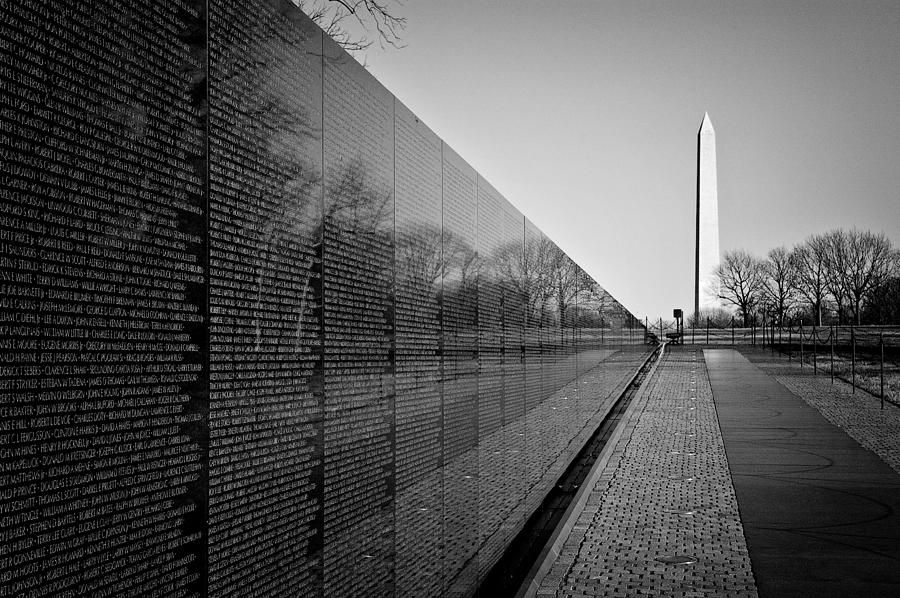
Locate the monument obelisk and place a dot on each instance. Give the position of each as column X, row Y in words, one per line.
column 706, row 287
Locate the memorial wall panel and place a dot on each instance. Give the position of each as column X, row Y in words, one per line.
column 266, row 400
column 460, row 371
column 583, row 319
column 567, row 317
column 592, row 341
column 359, row 329
column 513, row 223
column 557, row 342
column 582, row 426
column 490, row 362
column 549, row 331
column 418, row 266
column 565, row 419
column 536, row 277
column 102, row 250
column 502, row 505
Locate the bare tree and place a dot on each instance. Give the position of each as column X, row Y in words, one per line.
column 418, row 256
column 536, row 276
column 740, row 278
column 517, row 273
column 883, row 306
column 356, row 24
column 779, row 282
column 854, row 269
column 523, row 270
column 868, row 262
column 857, row 262
column 460, row 265
column 596, row 304
column 811, row 270
column 836, row 257
column 357, row 204
column 563, row 282
column 593, row 297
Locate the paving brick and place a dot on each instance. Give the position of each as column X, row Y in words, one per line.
column 664, row 491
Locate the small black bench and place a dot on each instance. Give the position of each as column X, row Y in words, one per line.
column 675, row 337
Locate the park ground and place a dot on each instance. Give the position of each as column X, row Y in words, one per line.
column 735, row 472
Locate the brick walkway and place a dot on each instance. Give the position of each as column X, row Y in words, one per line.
column 660, row 492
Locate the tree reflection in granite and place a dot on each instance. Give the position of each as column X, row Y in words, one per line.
column 359, row 377
column 265, row 166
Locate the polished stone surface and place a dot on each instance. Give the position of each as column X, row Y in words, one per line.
column 262, row 332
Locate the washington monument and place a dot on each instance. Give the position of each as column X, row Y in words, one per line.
column 706, row 286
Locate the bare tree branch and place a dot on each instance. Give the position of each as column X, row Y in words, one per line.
column 372, row 20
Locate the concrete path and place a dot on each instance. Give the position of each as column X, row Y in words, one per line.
column 857, row 413
column 687, row 478
column 821, row 514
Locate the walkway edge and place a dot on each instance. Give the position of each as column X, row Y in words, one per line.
column 554, row 547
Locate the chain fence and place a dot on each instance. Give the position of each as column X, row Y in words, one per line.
column 866, row 357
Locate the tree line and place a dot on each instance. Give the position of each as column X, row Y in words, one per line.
column 837, row 277
column 535, row 279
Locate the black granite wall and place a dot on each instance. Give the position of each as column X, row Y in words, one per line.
column 261, row 331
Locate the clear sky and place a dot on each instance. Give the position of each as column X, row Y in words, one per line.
column 584, row 114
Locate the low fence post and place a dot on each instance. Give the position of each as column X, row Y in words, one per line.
column 815, row 341
column 801, row 344
column 853, row 357
column 831, row 338
column 763, row 339
column 732, row 331
column 707, row 330
column 881, row 344
column 790, row 344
